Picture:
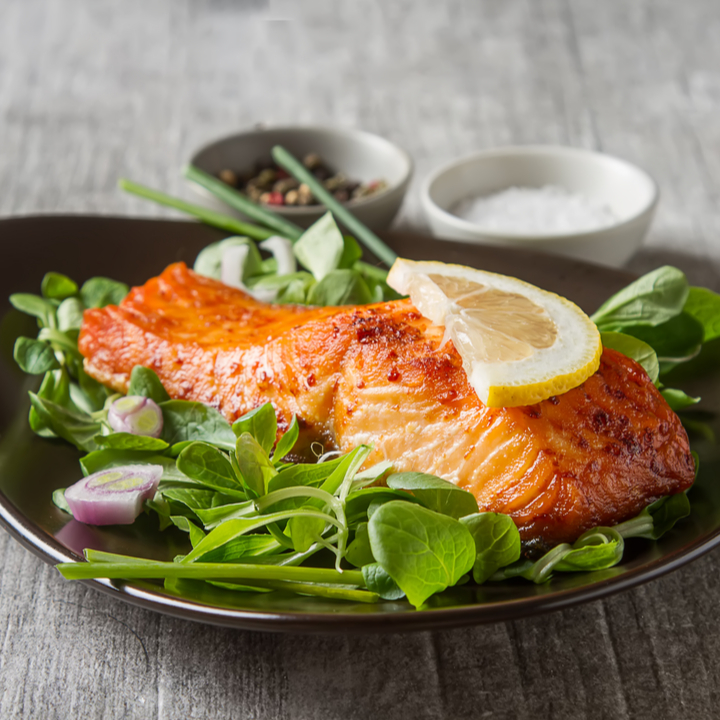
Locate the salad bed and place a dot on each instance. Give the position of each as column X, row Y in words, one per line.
column 258, row 522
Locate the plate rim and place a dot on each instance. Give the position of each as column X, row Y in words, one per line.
column 51, row 552
column 47, row 548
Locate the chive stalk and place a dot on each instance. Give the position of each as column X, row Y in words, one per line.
column 303, row 588
column 236, row 200
column 100, row 556
column 366, row 236
column 326, row 591
column 128, row 570
column 216, row 219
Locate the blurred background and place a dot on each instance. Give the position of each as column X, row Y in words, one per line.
column 91, row 91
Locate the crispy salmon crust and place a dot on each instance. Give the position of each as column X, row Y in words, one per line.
column 380, row 374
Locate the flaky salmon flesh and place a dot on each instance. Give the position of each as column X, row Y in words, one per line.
column 381, row 375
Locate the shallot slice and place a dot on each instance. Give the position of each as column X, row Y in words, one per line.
column 233, row 261
column 114, row 496
column 281, row 249
column 234, row 258
column 137, row 415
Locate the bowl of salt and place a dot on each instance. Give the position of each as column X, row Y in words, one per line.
column 562, row 200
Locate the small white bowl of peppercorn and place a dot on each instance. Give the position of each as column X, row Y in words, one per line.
column 368, row 174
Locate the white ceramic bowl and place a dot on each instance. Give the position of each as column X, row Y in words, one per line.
column 629, row 192
column 359, row 155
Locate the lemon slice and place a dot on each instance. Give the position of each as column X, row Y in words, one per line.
column 519, row 344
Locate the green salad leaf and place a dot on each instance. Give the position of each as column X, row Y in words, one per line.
column 636, row 349
column 358, row 551
column 379, row 581
column 678, row 399
column 597, row 549
column 676, row 340
column 422, row 551
column 210, row 466
column 58, row 498
column 287, row 442
column 435, row 493
column 70, row 314
column 98, row 292
column 497, row 543
column 305, row 530
column 261, row 423
column 77, row 428
column 56, row 286
column 35, row 306
column 651, row 300
column 145, row 382
column 185, row 420
column 340, row 287
column 255, row 466
column 34, row 357
column 127, row 441
column 351, row 254
column 704, row 305
column 321, row 247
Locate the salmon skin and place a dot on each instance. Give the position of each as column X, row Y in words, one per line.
column 380, row 375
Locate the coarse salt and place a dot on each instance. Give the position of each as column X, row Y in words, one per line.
column 548, row 210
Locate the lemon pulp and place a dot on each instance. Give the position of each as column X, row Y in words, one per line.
column 519, row 344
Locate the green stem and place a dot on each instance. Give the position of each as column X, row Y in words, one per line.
column 216, row 219
column 640, row 526
column 335, row 593
column 246, row 525
column 542, row 569
column 280, row 537
column 366, row 236
column 261, row 504
column 99, row 556
column 132, row 570
column 234, row 199
column 290, row 559
column 371, row 271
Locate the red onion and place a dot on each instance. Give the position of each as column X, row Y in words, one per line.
column 114, row 496
column 137, row 415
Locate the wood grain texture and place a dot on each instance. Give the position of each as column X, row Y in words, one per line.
column 96, row 89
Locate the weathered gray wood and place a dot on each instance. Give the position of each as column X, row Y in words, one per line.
column 95, row 89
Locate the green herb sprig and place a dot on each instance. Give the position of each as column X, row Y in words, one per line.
column 216, row 219
column 234, row 199
column 335, row 273
column 366, row 236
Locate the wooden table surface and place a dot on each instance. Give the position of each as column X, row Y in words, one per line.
column 96, row 89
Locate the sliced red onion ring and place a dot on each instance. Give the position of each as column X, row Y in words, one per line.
column 114, row 496
column 137, row 415
column 282, row 250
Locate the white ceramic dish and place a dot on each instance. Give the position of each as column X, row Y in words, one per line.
column 629, row 192
column 359, row 155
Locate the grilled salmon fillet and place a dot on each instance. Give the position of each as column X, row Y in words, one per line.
column 380, row 374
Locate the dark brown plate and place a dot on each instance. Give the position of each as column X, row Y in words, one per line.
column 132, row 251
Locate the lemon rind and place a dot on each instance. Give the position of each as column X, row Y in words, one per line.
column 533, row 393
column 480, row 375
